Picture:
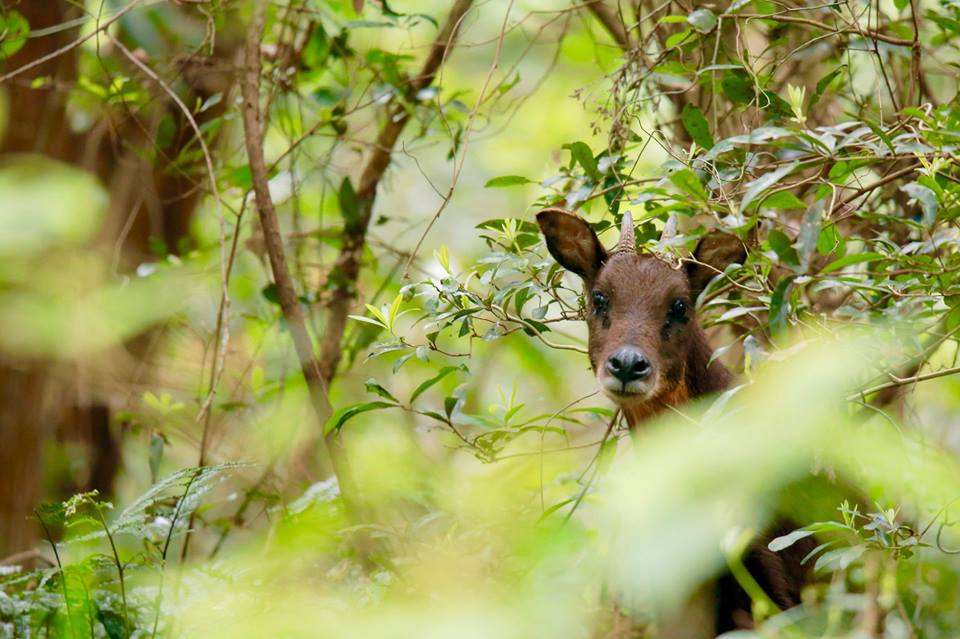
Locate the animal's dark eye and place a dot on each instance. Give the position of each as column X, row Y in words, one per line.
column 678, row 311
column 600, row 303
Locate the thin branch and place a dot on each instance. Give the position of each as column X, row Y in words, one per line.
column 347, row 265
column 596, row 466
column 465, row 144
column 901, row 381
column 286, row 294
column 873, row 35
column 273, row 242
column 875, row 185
column 611, row 22
column 916, row 55
column 222, row 335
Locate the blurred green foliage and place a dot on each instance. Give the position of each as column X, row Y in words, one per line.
column 489, row 500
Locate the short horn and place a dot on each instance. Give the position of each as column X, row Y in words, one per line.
column 669, row 229
column 628, row 240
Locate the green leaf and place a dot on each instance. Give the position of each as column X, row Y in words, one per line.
column 583, row 156
column 737, row 85
column 783, row 247
column 853, row 258
column 343, row 415
column 188, row 485
column 703, row 20
column 780, row 305
column 554, row 508
column 840, row 558
column 697, row 126
column 112, row 623
column 688, row 182
column 763, row 183
column 422, row 388
column 318, row 47
column 927, row 200
column 679, row 38
column 785, row 541
column 449, row 404
column 880, row 133
column 368, row 320
column 349, row 204
column 822, row 86
column 269, row 293
column 14, row 30
column 782, row 200
column 373, row 386
column 155, row 456
column 809, row 234
column 831, row 241
column 327, row 97
column 774, row 105
column 506, row 180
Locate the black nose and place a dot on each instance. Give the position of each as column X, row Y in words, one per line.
column 628, row 364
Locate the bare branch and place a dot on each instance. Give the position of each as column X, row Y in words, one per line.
column 347, row 265
column 286, row 294
column 611, row 22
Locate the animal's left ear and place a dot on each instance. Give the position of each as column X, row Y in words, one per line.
column 714, row 253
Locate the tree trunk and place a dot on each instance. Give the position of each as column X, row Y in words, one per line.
column 29, row 392
column 44, row 401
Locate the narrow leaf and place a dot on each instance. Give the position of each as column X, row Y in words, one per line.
column 853, row 258
column 697, row 126
column 785, row 541
column 763, row 183
column 506, row 180
column 343, row 415
column 422, row 388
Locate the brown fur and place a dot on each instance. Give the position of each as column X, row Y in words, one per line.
column 637, row 292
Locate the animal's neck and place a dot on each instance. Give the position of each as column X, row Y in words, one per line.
column 701, row 377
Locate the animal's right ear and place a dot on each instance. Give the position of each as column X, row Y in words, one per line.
column 572, row 242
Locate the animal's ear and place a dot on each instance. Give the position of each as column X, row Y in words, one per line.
column 714, row 253
column 572, row 242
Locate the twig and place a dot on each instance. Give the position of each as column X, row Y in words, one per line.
column 901, row 381
column 120, row 567
column 465, row 144
column 874, row 35
column 875, row 185
column 220, row 341
column 611, row 22
column 166, row 547
column 17, row 557
column 273, row 242
column 63, row 575
column 586, row 487
column 355, row 231
column 916, row 55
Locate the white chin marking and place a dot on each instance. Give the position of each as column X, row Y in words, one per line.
column 635, row 392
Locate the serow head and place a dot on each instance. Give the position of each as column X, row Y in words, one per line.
column 639, row 307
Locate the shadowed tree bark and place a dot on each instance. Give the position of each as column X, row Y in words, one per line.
column 30, row 391
column 151, row 200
